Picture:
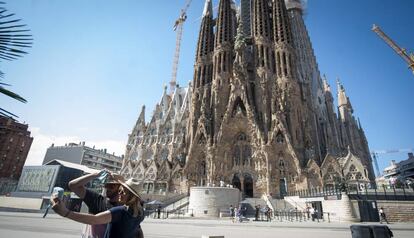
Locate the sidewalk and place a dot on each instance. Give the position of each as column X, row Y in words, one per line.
column 275, row 223
column 227, row 222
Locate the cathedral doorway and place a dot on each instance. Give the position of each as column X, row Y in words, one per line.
column 236, row 182
column 248, row 185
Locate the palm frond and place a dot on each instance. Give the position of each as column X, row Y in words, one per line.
column 12, row 95
column 12, row 36
column 6, row 113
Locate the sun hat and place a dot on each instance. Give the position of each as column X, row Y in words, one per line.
column 114, row 179
column 132, row 185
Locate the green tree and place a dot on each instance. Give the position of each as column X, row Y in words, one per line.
column 13, row 42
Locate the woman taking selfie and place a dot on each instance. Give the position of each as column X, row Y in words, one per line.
column 125, row 220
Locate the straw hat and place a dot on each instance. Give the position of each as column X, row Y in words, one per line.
column 132, row 185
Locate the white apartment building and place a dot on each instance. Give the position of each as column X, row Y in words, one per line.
column 84, row 155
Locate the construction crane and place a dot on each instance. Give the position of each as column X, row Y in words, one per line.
column 407, row 57
column 178, row 28
column 375, row 154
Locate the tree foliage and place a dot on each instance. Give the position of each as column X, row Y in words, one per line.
column 14, row 40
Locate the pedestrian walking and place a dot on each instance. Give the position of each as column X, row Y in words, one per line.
column 312, row 213
column 231, row 209
column 256, row 215
column 267, row 213
column 316, row 214
column 124, row 220
column 236, row 212
column 383, row 216
column 159, row 211
column 244, row 211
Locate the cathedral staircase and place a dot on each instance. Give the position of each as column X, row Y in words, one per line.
column 281, row 205
column 177, row 205
column 250, row 204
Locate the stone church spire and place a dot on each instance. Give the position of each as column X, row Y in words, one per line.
column 137, row 132
column 344, row 104
column 223, row 60
column 203, row 71
column 264, row 58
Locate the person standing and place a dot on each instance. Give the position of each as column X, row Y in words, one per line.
column 257, row 212
column 383, row 216
column 312, row 213
column 125, row 219
column 159, row 211
column 96, row 202
column 231, row 211
column 316, row 214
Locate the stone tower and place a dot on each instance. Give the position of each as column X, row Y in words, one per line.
column 257, row 114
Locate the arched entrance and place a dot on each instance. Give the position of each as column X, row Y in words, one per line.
column 248, row 185
column 236, row 182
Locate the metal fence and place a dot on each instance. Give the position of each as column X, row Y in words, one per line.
column 402, row 193
column 164, row 213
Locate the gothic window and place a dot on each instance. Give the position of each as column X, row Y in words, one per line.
column 352, row 168
column 242, row 137
column 237, row 155
column 359, row 176
column 247, row 153
column 281, row 163
column 349, row 176
column 242, row 152
column 164, row 155
column 279, row 138
column 238, row 107
column 203, row 169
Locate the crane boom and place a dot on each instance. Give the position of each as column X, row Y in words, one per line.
column 401, row 52
column 178, row 28
column 375, row 154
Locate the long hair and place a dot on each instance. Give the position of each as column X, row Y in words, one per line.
column 134, row 204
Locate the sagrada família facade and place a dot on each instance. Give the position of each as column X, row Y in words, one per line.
column 257, row 114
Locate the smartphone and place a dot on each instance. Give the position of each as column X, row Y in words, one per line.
column 103, row 176
column 57, row 192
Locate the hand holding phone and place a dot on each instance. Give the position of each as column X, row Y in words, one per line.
column 57, row 193
column 102, row 176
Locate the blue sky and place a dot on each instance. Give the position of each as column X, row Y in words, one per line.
column 95, row 63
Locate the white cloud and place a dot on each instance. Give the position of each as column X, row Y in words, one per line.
column 42, row 141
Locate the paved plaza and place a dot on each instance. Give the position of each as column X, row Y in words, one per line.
column 19, row 225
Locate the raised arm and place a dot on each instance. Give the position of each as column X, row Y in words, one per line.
column 100, row 218
column 78, row 185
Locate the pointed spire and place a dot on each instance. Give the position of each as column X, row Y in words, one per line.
column 206, row 35
column 261, row 18
column 208, row 8
column 294, row 4
column 245, row 15
column 225, row 22
column 281, row 25
column 141, row 118
column 342, row 98
column 326, row 86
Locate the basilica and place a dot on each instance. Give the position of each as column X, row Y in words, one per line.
column 257, row 114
